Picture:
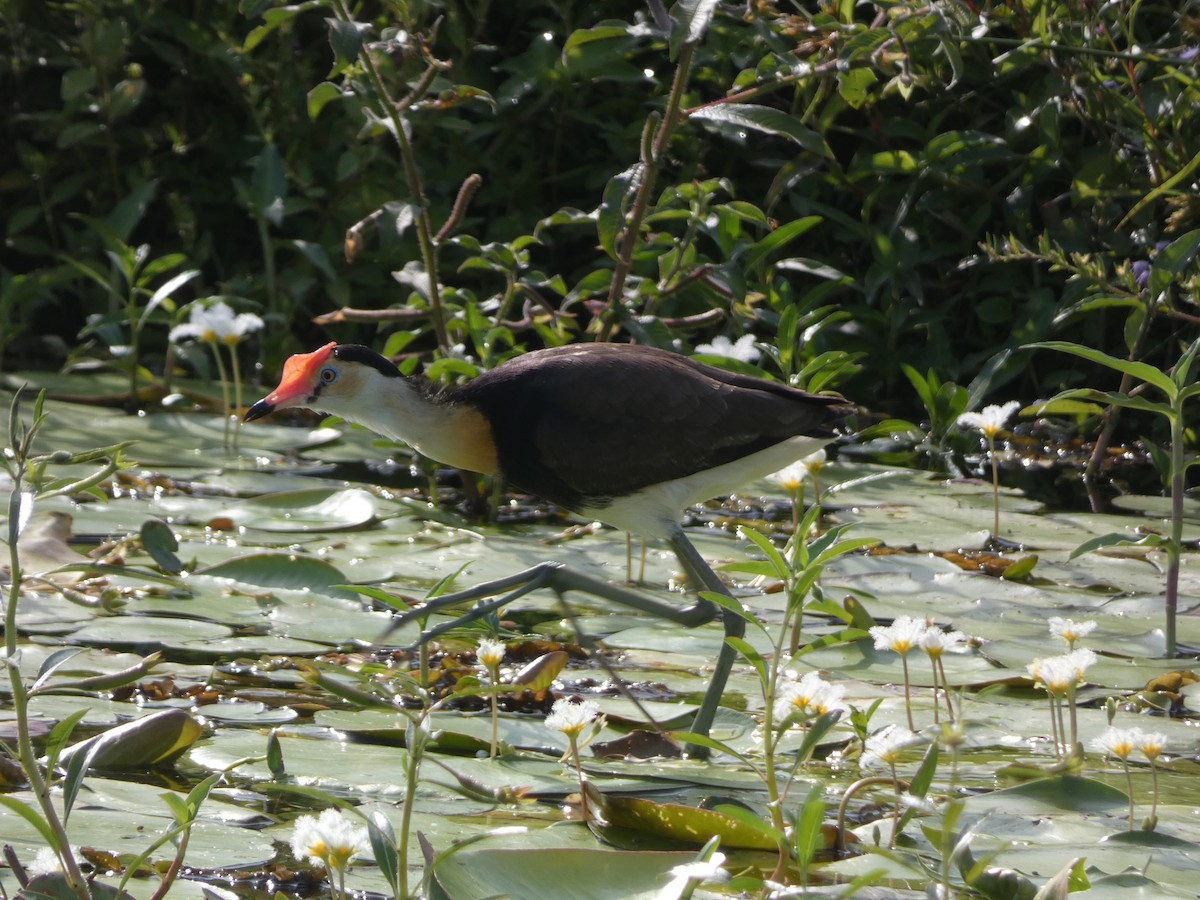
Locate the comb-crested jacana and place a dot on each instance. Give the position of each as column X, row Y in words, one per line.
column 624, row 434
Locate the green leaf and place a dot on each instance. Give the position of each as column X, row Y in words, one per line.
column 689, row 21
column 736, row 826
column 281, row 570
column 163, row 294
column 346, row 39
column 1114, row 539
column 275, row 17
column 618, row 195
column 1020, row 569
column 767, row 120
column 30, row 815
column 854, row 86
column 269, row 185
column 809, row 835
column 751, row 655
column 779, row 565
column 154, row 740
column 777, row 239
column 1111, row 398
column 541, row 874
column 160, row 542
column 383, row 846
column 320, row 96
column 690, row 738
column 1141, row 371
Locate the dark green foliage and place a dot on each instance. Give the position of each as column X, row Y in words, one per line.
column 863, row 187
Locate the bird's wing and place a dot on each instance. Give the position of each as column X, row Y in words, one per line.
column 574, row 426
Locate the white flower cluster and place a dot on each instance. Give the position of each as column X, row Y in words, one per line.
column 907, row 633
column 808, row 696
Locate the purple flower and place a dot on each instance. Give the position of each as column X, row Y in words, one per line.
column 1141, row 271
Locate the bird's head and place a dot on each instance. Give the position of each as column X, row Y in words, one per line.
column 336, row 379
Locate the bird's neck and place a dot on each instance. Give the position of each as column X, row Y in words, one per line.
column 450, row 433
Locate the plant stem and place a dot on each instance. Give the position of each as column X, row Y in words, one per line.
column 1129, row 788
column 1055, row 735
column 650, row 169
column 20, row 699
column 937, row 704
column 237, row 396
column 907, row 692
column 1175, row 546
column 410, row 796
column 494, row 676
column 223, row 374
column 583, row 799
column 425, row 233
column 1153, row 793
column 995, row 488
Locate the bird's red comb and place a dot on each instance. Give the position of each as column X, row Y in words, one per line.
column 298, row 373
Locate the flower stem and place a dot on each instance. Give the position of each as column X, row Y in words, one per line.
column 237, row 396
column 1129, row 788
column 223, row 374
column 995, row 488
column 907, row 692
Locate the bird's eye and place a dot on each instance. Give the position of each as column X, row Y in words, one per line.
column 329, row 375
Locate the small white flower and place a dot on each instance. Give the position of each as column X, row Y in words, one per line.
column 791, row 477
column 991, row 419
column 883, row 748
column 936, row 642
column 215, row 322
column 810, row 696
column 47, row 862
column 1059, row 674
column 1118, row 742
column 490, row 653
column 1151, row 744
column 697, row 872
column 1082, row 659
column 742, row 349
column 1070, row 630
column 330, row 840
column 572, row 718
column 901, row 636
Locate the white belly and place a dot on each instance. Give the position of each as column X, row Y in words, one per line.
column 653, row 512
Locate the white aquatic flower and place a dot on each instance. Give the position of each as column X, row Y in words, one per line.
column 1082, row 659
column 901, row 636
column 1118, row 742
column 814, row 462
column 330, row 839
column 936, row 642
column 1151, row 744
column 742, row 349
column 991, row 420
column 811, row 695
column 215, row 323
column 490, row 653
column 1059, row 674
column 572, row 718
column 883, row 748
column 791, row 477
column 699, row 872
column 47, row 862
column 1070, row 630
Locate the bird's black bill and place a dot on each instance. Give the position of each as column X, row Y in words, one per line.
column 258, row 410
